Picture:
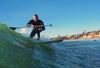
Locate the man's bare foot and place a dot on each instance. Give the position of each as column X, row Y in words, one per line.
column 37, row 39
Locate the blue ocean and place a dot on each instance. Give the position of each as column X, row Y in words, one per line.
column 17, row 51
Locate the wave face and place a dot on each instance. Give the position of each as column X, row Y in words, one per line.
column 16, row 51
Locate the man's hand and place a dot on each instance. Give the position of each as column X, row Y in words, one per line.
column 39, row 29
column 32, row 25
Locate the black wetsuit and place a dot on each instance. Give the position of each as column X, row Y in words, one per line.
column 35, row 30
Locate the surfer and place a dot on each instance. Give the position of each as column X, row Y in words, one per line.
column 36, row 22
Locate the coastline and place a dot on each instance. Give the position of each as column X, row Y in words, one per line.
column 94, row 35
column 83, row 39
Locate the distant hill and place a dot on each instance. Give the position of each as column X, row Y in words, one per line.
column 88, row 35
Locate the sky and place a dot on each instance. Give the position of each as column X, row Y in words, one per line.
column 68, row 17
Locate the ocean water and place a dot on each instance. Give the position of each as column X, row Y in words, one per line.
column 16, row 51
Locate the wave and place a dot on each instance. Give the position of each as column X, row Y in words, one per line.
column 16, row 51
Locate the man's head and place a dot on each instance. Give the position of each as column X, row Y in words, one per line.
column 35, row 17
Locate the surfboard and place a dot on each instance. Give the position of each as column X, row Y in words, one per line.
column 51, row 41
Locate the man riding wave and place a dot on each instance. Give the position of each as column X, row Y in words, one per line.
column 36, row 30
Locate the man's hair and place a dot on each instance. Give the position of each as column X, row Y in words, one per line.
column 35, row 15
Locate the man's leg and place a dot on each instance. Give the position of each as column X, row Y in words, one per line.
column 38, row 35
column 32, row 33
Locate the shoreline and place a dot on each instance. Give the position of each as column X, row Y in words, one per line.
column 83, row 36
column 82, row 39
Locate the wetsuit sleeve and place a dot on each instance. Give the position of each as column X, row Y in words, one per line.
column 29, row 23
column 43, row 28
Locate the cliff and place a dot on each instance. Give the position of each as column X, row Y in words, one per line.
column 88, row 35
